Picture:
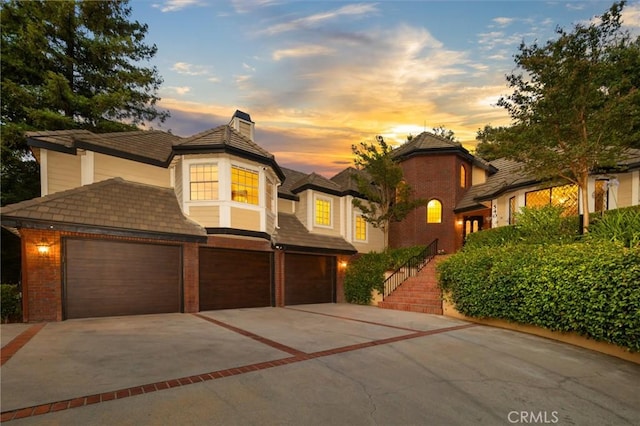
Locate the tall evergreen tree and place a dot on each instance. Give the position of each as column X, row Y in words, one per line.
column 70, row 64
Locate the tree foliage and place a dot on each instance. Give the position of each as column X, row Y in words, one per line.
column 575, row 105
column 72, row 64
column 388, row 197
column 445, row 133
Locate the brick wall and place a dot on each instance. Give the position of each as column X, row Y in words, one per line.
column 41, row 276
column 432, row 176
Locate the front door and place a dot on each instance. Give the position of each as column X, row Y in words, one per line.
column 471, row 224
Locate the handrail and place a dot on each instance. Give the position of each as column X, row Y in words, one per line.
column 410, row 268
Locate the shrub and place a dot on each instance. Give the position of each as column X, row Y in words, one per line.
column 546, row 224
column 591, row 288
column 493, row 237
column 621, row 225
column 535, row 225
column 10, row 302
column 366, row 273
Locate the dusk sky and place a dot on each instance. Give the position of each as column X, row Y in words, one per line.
column 319, row 76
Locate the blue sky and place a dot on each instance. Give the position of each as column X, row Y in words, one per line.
column 319, row 76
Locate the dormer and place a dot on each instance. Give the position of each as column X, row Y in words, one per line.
column 241, row 122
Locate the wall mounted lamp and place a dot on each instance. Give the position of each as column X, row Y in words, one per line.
column 343, row 264
column 43, row 247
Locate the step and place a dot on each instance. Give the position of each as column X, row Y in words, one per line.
column 426, row 309
column 412, row 293
column 414, row 300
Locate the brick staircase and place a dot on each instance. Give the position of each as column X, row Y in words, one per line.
column 417, row 294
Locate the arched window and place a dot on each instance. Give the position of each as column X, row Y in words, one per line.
column 463, row 177
column 434, row 211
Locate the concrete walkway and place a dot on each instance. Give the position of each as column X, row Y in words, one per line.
column 331, row 364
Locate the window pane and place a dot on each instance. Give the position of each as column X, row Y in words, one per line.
column 463, row 177
column 203, row 181
column 323, row 212
column 361, row 228
column 434, row 211
column 244, row 186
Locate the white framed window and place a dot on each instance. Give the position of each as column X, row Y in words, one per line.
column 244, row 185
column 322, row 211
column 203, row 181
column 360, row 228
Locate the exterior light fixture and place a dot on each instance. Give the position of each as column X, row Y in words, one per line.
column 43, row 247
column 343, row 264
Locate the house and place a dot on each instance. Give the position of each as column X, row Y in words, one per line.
column 148, row 222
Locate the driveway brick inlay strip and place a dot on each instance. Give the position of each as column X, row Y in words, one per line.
column 352, row 319
column 214, row 375
column 253, row 336
column 11, row 348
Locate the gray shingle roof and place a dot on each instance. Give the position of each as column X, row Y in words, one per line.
column 315, row 181
column 292, row 234
column 291, row 177
column 426, row 141
column 345, row 179
column 221, row 137
column 153, row 146
column 110, row 205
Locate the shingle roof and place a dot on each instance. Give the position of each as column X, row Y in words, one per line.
column 426, row 141
column 222, row 137
column 110, row 205
column 510, row 174
column 151, row 146
column 293, row 235
column 315, row 181
column 291, row 177
column 345, row 179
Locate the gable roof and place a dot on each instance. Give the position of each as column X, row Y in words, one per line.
column 290, row 177
column 112, row 207
column 292, row 235
column 146, row 146
column 225, row 138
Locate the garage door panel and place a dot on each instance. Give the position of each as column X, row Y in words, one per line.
column 234, row 279
column 309, row 279
column 107, row 278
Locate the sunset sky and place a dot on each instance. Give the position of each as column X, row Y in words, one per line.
column 319, row 76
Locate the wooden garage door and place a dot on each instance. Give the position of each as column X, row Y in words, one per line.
column 108, row 278
column 309, row 279
column 234, row 279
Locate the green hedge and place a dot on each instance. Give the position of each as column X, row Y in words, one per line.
column 535, row 225
column 591, row 288
column 367, row 272
column 10, row 302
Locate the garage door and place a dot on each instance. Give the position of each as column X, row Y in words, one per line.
column 309, row 279
column 108, row 278
column 234, row 279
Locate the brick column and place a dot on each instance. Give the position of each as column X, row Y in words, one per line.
column 278, row 261
column 190, row 278
column 41, row 276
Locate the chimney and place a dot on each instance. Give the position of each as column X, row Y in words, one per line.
column 241, row 122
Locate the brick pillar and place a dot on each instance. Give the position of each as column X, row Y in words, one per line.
column 341, row 268
column 41, row 276
column 190, row 277
column 278, row 261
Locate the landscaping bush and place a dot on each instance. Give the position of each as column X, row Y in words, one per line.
column 367, row 272
column 535, row 225
column 621, row 225
column 591, row 288
column 10, row 302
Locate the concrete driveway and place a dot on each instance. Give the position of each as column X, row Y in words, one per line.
column 331, row 364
